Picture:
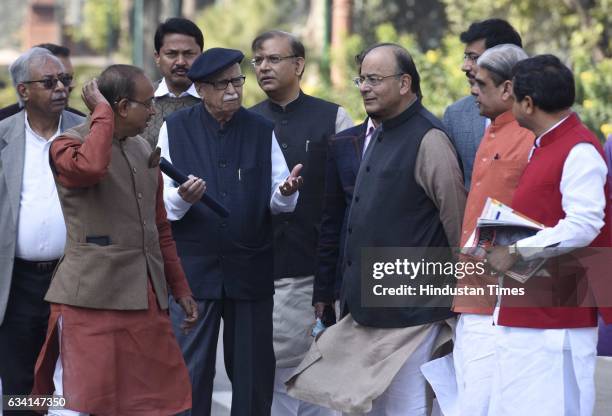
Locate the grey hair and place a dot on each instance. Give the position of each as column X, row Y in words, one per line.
column 499, row 61
column 21, row 69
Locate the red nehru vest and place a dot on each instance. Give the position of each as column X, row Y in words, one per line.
column 538, row 196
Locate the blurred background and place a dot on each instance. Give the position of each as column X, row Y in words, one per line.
column 101, row 32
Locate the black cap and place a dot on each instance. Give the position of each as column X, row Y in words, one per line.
column 213, row 61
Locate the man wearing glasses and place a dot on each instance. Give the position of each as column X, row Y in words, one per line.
column 110, row 348
column 462, row 119
column 31, row 219
column 228, row 261
column 409, row 193
column 302, row 125
column 63, row 54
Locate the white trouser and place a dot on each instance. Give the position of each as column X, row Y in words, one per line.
column 285, row 405
column 58, row 379
column 548, row 372
column 474, row 360
column 407, row 393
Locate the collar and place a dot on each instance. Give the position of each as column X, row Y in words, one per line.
column 29, row 129
column 502, row 119
column 162, row 90
column 400, row 119
column 370, row 127
column 291, row 106
column 208, row 119
column 554, row 126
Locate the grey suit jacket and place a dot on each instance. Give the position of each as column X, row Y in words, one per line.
column 12, row 158
column 466, row 127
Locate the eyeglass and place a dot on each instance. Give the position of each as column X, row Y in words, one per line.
column 470, row 56
column 51, row 83
column 223, row 83
column 372, row 80
column 146, row 104
column 272, row 59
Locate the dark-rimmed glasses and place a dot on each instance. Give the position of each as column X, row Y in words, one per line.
column 222, row 84
column 51, row 83
column 272, row 59
column 372, row 80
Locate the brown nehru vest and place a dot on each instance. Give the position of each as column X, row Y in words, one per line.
column 112, row 242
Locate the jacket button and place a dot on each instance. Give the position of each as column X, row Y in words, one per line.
column 284, row 145
column 134, row 170
column 139, row 195
column 367, row 168
column 222, row 164
column 350, row 230
column 356, row 198
column 223, row 194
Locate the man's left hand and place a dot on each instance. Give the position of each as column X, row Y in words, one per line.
column 293, row 182
column 500, row 259
column 189, row 305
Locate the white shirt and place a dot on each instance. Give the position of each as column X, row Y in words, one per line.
column 177, row 207
column 162, row 90
column 41, row 232
column 582, row 198
column 343, row 120
column 369, row 130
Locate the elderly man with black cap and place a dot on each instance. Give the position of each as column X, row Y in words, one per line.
column 228, row 261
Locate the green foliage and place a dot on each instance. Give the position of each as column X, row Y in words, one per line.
column 442, row 82
column 568, row 29
column 235, row 23
column 547, row 26
column 100, row 23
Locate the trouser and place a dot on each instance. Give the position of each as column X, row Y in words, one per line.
column 548, row 372
column 23, row 330
column 474, row 359
column 293, row 319
column 58, row 381
column 248, row 353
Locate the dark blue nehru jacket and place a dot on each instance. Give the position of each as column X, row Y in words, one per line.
column 302, row 129
column 225, row 257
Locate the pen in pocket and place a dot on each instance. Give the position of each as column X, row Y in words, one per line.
column 239, row 178
column 307, row 143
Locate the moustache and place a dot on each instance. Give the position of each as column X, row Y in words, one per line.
column 179, row 68
column 230, row 97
